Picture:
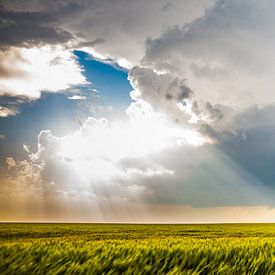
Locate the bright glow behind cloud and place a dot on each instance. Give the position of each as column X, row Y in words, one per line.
column 42, row 69
column 94, row 152
column 136, row 137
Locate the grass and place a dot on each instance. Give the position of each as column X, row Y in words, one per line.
column 137, row 249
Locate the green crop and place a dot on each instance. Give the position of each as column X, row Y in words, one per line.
column 137, row 249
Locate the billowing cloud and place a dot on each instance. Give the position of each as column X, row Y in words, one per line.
column 168, row 94
column 227, row 55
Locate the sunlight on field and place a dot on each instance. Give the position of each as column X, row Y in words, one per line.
column 137, row 249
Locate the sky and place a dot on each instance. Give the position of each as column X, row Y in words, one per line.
column 137, row 111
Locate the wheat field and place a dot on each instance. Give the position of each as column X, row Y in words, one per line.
column 137, row 249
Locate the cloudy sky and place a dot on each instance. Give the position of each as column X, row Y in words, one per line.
column 137, row 111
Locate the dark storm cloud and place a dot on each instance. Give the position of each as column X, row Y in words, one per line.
column 252, row 144
column 248, row 140
column 30, row 28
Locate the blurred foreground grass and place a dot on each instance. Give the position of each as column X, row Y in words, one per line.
column 137, row 249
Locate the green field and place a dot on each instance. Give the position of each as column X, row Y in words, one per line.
column 137, row 249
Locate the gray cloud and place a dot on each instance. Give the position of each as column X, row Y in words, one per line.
column 252, row 145
column 248, row 140
column 30, row 28
column 124, row 24
column 226, row 31
column 227, row 55
column 127, row 24
column 162, row 91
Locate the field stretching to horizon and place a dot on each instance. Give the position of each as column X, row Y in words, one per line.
column 29, row 248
